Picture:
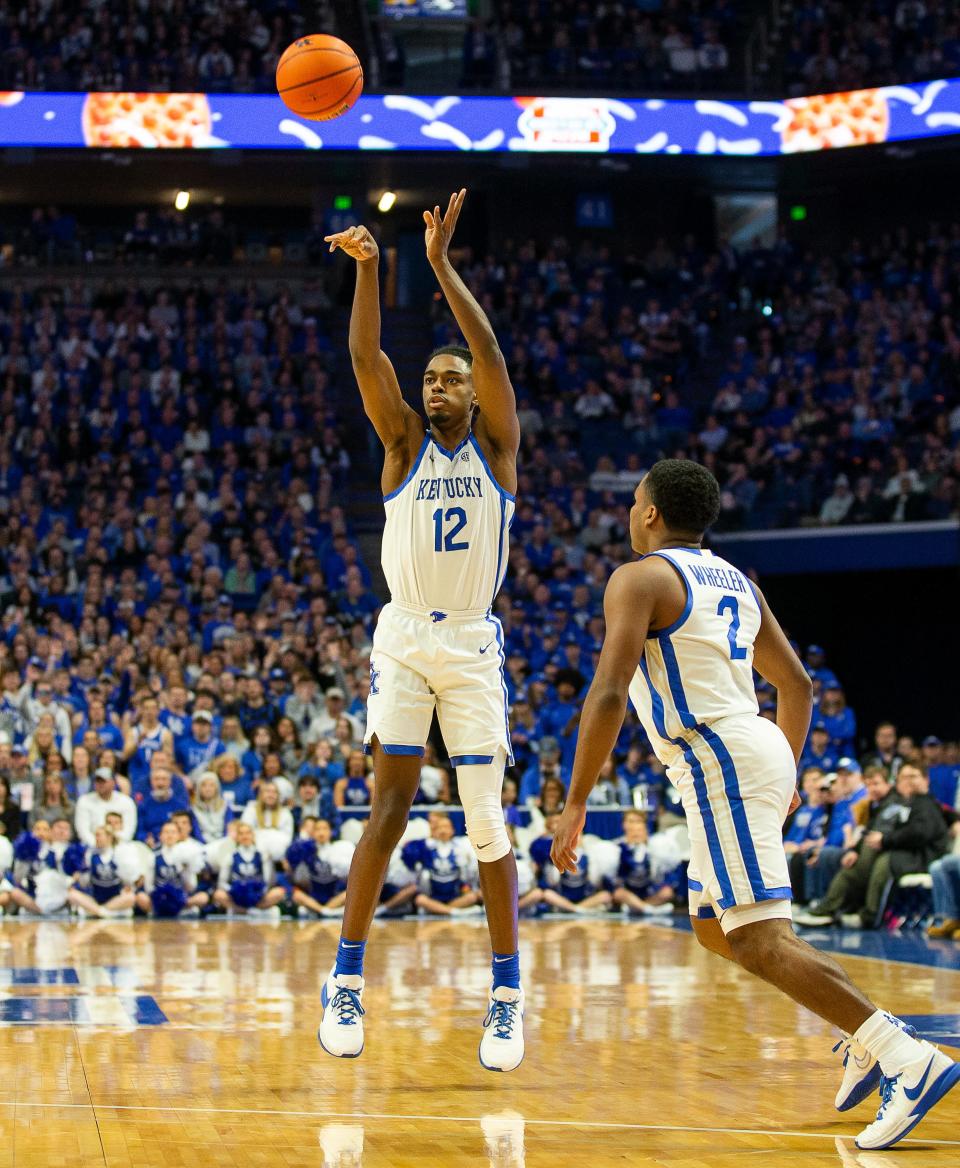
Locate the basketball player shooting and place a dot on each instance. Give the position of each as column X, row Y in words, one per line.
column 684, row 631
column 448, row 492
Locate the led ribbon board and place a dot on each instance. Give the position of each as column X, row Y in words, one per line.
column 579, row 125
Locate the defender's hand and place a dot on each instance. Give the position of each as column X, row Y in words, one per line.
column 567, row 836
column 357, row 242
column 439, row 231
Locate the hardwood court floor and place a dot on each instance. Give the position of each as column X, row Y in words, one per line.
column 641, row 1050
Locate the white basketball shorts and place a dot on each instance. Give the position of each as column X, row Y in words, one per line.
column 736, row 777
column 450, row 662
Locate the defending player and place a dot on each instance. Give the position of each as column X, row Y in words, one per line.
column 449, row 499
column 697, row 627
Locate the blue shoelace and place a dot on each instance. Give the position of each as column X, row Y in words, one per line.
column 887, row 1088
column 845, row 1043
column 347, row 1006
column 502, row 1016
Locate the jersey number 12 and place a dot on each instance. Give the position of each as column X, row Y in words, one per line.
column 448, row 542
column 730, row 604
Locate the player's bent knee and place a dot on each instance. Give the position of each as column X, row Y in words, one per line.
column 480, row 785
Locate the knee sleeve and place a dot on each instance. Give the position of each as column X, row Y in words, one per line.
column 480, row 785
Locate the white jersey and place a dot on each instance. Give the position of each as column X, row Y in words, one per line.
column 700, row 669
column 446, row 536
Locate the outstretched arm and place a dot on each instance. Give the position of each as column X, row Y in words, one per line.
column 628, row 609
column 382, row 400
column 498, row 405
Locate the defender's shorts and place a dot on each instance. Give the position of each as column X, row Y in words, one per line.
column 452, row 662
column 736, row 777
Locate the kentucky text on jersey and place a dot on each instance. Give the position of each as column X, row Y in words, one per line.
column 451, row 555
column 726, row 578
column 458, row 488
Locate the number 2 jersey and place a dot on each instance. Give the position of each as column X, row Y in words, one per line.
column 700, row 668
column 445, row 540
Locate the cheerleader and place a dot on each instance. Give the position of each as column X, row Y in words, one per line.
column 447, row 869
column 355, row 789
column 40, row 881
column 570, row 892
column 110, row 873
column 170, row 884
column 246, row 877
column 637, row 889
column 318, row 868
column 271, row 821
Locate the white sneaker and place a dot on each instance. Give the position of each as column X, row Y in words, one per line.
column 861, row 1071
column 342, row 1145
column 341, row 1028
column 907, row 1097
column 503, row 1135
column 851, row 921
column 861, row 1074
column 501, row 1048
column 472, row 910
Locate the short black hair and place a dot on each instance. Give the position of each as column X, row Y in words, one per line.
column 454, row 351
column 685, row 493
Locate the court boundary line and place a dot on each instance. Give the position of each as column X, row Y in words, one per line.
column 373, row 1115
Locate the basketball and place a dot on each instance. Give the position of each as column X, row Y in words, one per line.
column 319, row 77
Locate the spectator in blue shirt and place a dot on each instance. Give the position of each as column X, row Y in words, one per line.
column 851, row 788
column 804, row 829
column 944, row 776
column 196, row 751
column 220, row 626
column 255, row 710
column 560, row 717
column 546, row 765
column 839, row 719
column 235, row 786
column 818, row 752
column 815, row 662
column 156, row 807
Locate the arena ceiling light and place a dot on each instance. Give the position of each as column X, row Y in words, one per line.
column 387, row 199
column 182, row 201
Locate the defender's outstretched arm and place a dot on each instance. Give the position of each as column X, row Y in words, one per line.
column 628, row 608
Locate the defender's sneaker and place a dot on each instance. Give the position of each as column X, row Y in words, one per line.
column 341, row 1028
column 906, row 1098
column 861, row 1071
column 501, row 1048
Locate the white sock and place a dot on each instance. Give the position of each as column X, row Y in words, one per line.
column 884, row 1037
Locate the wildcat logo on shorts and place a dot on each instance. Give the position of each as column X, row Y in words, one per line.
column 374, row 674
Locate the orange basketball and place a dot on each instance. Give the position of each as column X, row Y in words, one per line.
column 319, row 77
